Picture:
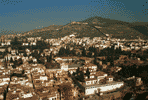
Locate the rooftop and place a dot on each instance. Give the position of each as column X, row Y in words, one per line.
column 74, row 65
column 89, row 64
column 107, row 83
column 90, row 79
column 100, row 73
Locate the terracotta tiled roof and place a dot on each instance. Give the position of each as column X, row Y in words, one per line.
column 85, row 58
column 89, row 64
column 74, row 65
column 90, row 79
column 100, row 73
column 52, row 66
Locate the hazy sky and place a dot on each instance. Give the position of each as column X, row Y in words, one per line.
column 27, row 15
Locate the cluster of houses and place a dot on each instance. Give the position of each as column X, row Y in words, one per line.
column 33, row 81
column 92, row 84
column 37, row 81
column 86, row 42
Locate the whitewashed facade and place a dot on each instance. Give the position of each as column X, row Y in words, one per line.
column 103, row 88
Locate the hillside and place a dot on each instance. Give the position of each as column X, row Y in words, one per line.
column 81, row 29
column 120, row 29
column 96, row 27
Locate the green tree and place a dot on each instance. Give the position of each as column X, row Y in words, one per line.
column 83, row 52
column 91, row 48
column 69, row 73
column 15, row 43
column 99, row 67
column 23, row 71
column 95, row 52
column 20, row 61
column 89, row 54
column 13, row 66
column 73, row 52
column 36, row 54
column 67, row 50
column 95, row 61
column 16, row 62
column 87, row 72
column 6, row 50
column 54, row 76
column 5, row 60
column 11, row 60
column 41, row 45
column 31, row 61
column 50, row 57
column 61, row 51
column 73, row 74
column 78, row 71
column 81, row 77
column 25, row 54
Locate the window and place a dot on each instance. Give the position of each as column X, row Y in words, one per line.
column 53, row 98
column 88, row 82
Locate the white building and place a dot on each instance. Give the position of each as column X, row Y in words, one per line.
column 102, row 88
column 27, row 95
column 72, row 35
column 93, row 84
column 56, row 44
column 64, row 66
column 43, row 78
column 25, row 44
column 3, row 83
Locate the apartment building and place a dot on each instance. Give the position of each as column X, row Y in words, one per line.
column 94, row 85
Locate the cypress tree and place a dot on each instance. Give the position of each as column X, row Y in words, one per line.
column 83, row 52
column 5, row 60
column 81, row 77
column 95, row 61
column 11, row 60
column 77, row 71
column 87, row 72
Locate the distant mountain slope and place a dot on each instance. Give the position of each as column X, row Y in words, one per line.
column 142, row 27
column 96, row 27
column 120, row 29
column 81, row 29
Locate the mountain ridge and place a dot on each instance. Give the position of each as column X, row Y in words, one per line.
column 93, row 27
